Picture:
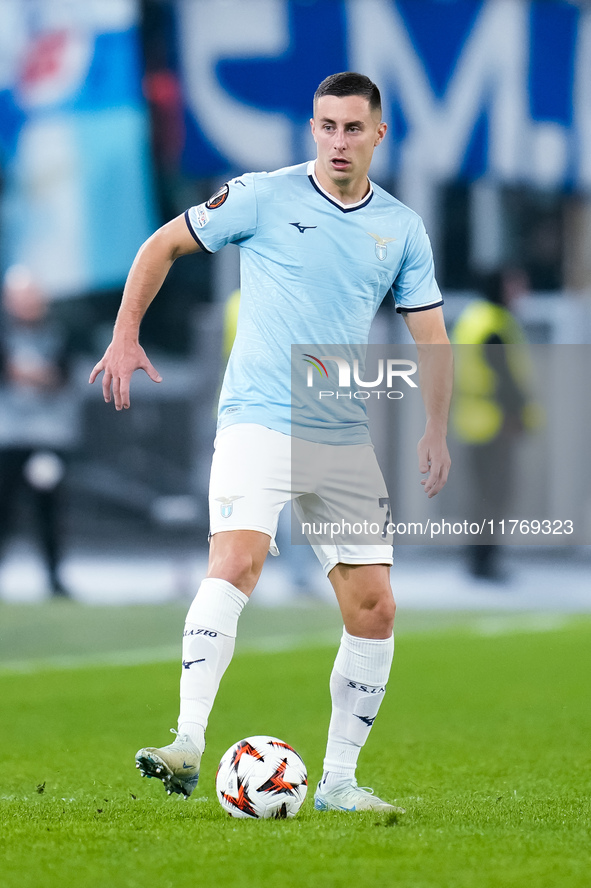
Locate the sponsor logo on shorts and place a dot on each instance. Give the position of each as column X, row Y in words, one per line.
column 227, row 504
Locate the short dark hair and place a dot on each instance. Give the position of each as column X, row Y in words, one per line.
column 349, row 83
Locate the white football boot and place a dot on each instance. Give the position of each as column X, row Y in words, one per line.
column 177, row 764
column 347, row 796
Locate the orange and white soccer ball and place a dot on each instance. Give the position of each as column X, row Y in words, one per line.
column 261, row 777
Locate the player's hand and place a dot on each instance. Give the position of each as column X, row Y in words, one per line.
column 118, row 365
column 435, row 460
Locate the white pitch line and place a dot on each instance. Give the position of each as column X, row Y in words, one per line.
column 82, row 661
column 489, row 625
column 163, row 654
column 502, row 624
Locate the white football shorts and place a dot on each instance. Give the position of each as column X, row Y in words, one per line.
column 252, row 479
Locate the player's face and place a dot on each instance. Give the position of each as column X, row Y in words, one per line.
column 346, row 132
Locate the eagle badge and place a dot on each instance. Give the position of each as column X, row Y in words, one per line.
column 381, row 245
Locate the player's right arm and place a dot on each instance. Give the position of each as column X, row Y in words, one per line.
column 125, row 355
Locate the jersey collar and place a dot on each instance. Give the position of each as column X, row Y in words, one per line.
column 345, row 208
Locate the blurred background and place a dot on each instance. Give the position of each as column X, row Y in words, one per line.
column 116, row 115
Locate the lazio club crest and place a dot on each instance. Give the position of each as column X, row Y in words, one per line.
column 227, row 504
column 381, row 245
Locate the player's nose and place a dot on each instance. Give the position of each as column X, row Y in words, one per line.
column 340, row 139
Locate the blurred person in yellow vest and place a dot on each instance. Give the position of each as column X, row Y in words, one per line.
column 492, row 403
column 231, row 309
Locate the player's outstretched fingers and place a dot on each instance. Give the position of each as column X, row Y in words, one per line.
column 433, row 483
column 151, row 371
column 117, row 392
column 123, row 394
column 444, row 475
column 107, row 379
column 437, row 479
column 424, row 465
column 95, row 372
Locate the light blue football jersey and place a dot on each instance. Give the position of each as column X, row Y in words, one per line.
column 313, row 270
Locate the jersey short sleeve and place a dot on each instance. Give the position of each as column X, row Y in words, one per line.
column 228, row 217
column 415, row 287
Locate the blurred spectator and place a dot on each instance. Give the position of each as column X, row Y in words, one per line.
column 38, row 422
column 164, row 95
column 492, row 404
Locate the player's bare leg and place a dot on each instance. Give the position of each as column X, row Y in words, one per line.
column 235, row 564
column 237, row 556
column 357, row 683
column 365, row 598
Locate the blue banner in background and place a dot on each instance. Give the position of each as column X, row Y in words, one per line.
column 470, row 87
column 74, row 142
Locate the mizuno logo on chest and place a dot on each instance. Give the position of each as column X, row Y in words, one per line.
column 302, row 228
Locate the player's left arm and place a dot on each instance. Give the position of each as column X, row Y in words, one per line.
column 436, row 379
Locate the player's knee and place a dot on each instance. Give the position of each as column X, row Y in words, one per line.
column 386, row 612
column 380, row 607
column 392, row 610
column 237, row 567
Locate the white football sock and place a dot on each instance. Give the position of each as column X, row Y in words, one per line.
column 208, row 646
column 357, row 688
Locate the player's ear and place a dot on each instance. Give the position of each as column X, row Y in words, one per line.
column 313, row 128
column 381, row 132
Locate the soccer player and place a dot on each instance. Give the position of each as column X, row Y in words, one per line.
column 321, row 246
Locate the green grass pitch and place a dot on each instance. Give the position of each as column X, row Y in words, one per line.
column 484, row 737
